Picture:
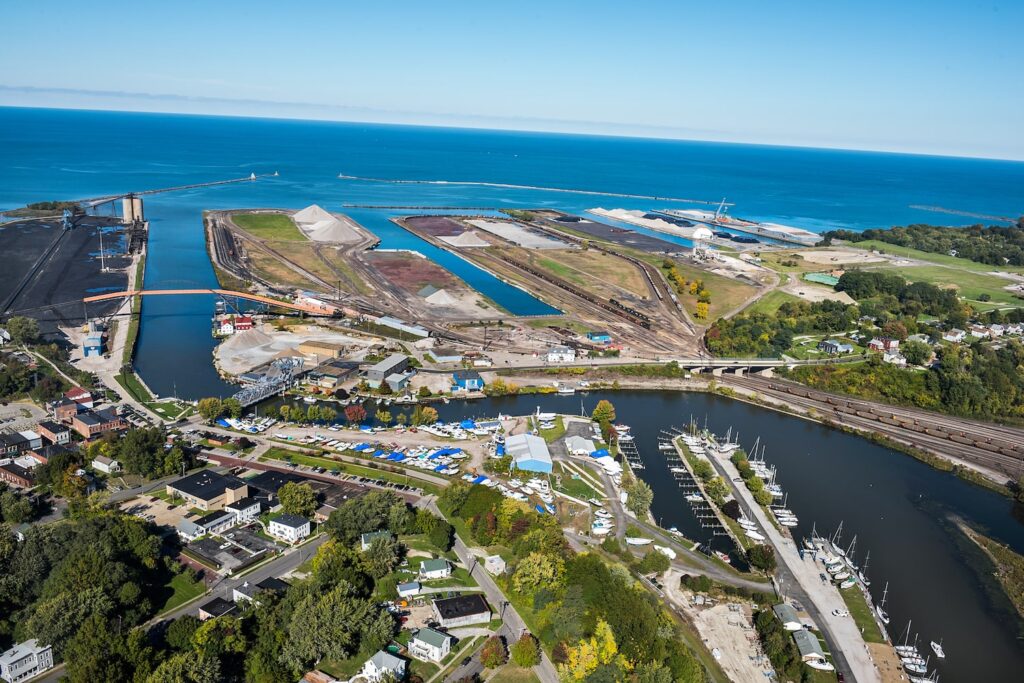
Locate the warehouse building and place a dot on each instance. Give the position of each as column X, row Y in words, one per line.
column 530, row 452
column 394, row 364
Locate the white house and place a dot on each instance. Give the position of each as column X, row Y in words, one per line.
column 788, row 616
column 577, row 445
column 409, row 589
column 383, row 663
column 102, row 463
column 896, row 359
column 561, row 354
column 435, row 569
column 245, row 509
column 956, row 336
column 430, row 645
column 287, row 527
column 979, row 331
column 494, row 565
column 227, row 327
column 25, row 660
column 996, row 330
column 5, row 337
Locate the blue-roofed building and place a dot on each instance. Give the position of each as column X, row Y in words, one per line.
column 92, row 346
column 468, row 380
column 599, row 337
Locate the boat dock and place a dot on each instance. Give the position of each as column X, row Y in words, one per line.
column 707, row 514
column 631, row 455
column 801, row 579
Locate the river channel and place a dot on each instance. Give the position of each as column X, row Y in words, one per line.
column 899, row 509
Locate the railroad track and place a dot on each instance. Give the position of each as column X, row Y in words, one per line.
column 993, row 446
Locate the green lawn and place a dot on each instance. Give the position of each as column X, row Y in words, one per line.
column 556, row 432
column 969, row 285
column 510, row 673
column 941, row 259
column 184, row 590
column 130, row 383
column 358, row 470
column 269, row 226
column 570, row 483
column 771, row 302
column 726, row 293
column 860, row 611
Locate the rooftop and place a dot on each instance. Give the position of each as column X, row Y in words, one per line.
column 431, row 637
column 462, row 606
column 218, row 607
column 206, row 485
column 290, row 520
column 271, row 481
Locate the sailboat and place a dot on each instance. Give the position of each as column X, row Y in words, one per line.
column 862, row 574
column 937, row 649
column 880, row 607
column 906, row 649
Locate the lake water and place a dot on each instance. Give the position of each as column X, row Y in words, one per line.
column 898, row 508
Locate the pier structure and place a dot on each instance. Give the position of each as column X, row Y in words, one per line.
column 801, row 580
column 707, row 514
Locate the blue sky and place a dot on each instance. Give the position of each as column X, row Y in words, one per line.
column 919, row 76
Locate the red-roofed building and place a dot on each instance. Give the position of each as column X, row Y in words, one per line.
column 242, row 323
column 80, row 396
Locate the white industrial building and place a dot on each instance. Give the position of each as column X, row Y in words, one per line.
column 529, row 452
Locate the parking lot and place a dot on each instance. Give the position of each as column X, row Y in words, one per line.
column 236, row 547
column 156, row 510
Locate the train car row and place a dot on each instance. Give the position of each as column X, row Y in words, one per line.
column 612, row 306
column 937, row 431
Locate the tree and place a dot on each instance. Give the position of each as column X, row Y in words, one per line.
column 55, row 620
column 401, row 419
column 762, row 557
column 285, row 412
column 355, row 413
column 179, row 633
column 187, row 667
column 916, row 353
column 93, row 654
column 233, row 407
column 382, row 557
column 210, row 408
column 371, row 512
column 424, row 392
column 731, row 508
column 639, row 498
column 493, row 653
column 703, row 308
column 219, row 636
column 15, row 509
column 525, row 651
column 429, row 415
column 384, row 417
column 297, row 499
column 334, row 625
column 654, row 562
column 536, row 570
column 23, row 330
column 604, row 412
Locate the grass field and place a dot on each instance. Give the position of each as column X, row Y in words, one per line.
column 860, row 611
column 770, row 302
column 272, row 270
column 130, row 382
column 184, row 590
column 541, row 323
column 940, row 259
column 268, row 226
column 726, row 293
column 594, row 267
column 341, row 263
column 349, row 468
column 969, row 284
column 781, row 261
column 510, row 673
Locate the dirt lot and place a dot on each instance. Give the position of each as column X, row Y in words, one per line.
column 839, row 256
column 809, row 292
column 161, row 511
column 612, row 277
column 246, row 350
column 437, row 226
column 411, row 272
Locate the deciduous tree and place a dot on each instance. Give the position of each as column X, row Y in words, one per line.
column 297, row 499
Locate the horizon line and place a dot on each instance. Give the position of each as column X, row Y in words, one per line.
column 486, row 122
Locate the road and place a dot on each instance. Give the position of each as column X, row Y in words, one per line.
column 799, row 579
column 513, row 625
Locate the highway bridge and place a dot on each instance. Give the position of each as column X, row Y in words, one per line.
column 305, row 308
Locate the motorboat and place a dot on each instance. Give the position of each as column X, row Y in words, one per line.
column 637, row 541
column 694, row 498
column 841, row 576
column 753, row 535
column 848, row 583
column 937, row 649
column 916, row 668
column 595, row 502
column 789, row 522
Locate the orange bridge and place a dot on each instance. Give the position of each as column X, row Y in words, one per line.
column 306, row 308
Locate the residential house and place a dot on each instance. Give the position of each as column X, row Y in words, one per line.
column 787, row 615
column 996, row 330
column 102, row 463
column 884, row 345
column 5, row 337
column 218, row 607
column 954, row 335
column 288, row 527
column 54, row 432
column 25, row 660
column 809, row 646
column 367, row 539
column 463, row 610
column 435, row 569
column 495, row 565
column 383, row 664
column 208, row 490
column 213, row 523
column 561, row 354
column 249, row 591
column 468, row 380
column 430, row 645
column 92, row 423
column 979, row 332
column 896, row 359
column 834, row 347
column 245, row 509
column 408, row 589
column 1015, row 328
column 227, row 327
